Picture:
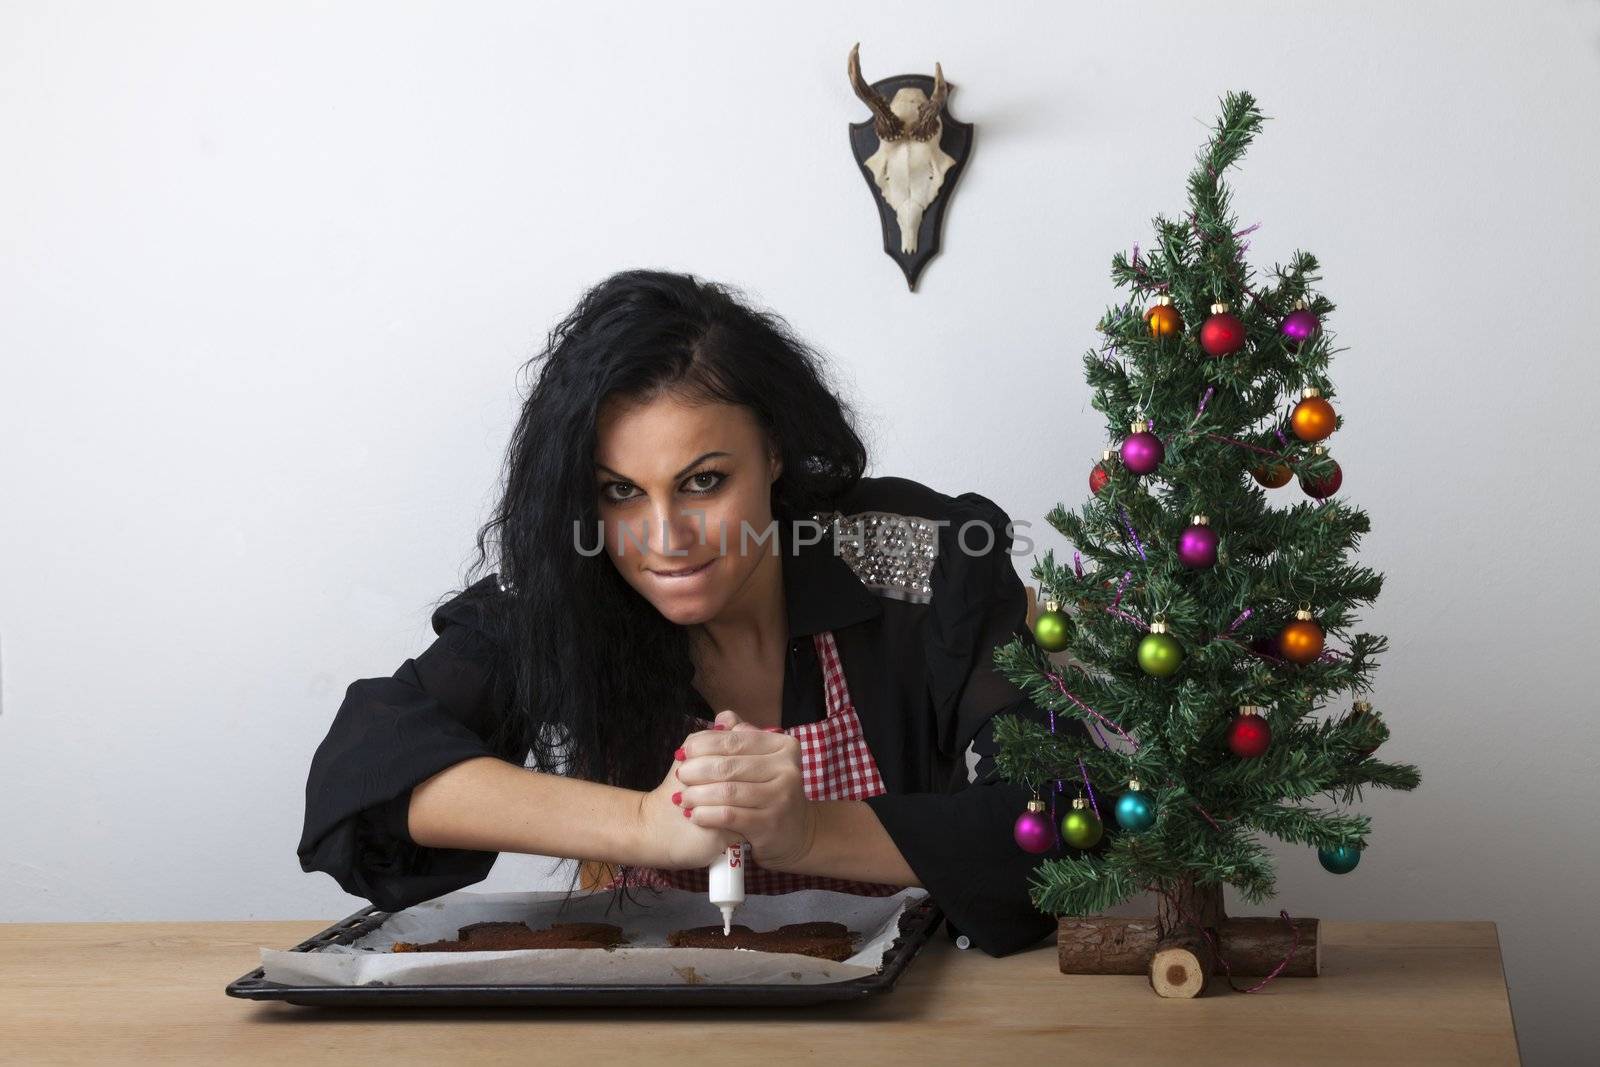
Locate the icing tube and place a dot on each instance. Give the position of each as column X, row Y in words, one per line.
column 727, row 882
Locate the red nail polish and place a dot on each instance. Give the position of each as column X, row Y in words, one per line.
column 677, row 798
column 686, row 812
column 718, row 726
column 678, row 755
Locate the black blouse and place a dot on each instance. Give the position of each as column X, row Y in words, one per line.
column 916, row 619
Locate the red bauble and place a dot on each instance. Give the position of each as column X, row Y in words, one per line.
column 1223, row 333
column 1321, row 488
column 1100, row 475
column 1248, row 734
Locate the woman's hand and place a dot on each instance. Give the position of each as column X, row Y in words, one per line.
column 740, row 778
column 672, row 841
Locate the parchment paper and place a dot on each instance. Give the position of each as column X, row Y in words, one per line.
column 645, row 919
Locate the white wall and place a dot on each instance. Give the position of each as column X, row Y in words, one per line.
column 267, row 271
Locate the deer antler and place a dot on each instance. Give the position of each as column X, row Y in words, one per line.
column 926, row 124
column 885, row 123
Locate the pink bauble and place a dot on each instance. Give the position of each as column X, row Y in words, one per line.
column 1034, row 832
column 1300, row 325
column 1197, row 547
column 1142, row 452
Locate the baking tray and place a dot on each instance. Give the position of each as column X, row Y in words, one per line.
column 917, row 923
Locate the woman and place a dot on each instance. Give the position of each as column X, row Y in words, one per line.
column 810, row 682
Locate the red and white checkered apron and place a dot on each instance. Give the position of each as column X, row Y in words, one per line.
column 835, row 764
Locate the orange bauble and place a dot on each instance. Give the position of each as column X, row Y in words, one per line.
column 1313, row 418
column 1163, row 318
column 1301, row 640
column 1272, row 475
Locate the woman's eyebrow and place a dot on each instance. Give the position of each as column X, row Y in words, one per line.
column 690, row 466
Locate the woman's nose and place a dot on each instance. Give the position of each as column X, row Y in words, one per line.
column 678, row 531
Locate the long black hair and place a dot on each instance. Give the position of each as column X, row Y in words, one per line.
column 596, row 680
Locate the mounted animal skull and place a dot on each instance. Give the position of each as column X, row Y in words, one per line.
column 909, row 166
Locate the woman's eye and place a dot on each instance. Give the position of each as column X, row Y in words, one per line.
column 609, row 489
column 694, row 478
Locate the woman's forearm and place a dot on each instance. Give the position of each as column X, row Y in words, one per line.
column 492, row 805
column 849, row 842
column 489, row 804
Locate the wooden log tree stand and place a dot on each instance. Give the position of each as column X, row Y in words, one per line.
column 1178, row 961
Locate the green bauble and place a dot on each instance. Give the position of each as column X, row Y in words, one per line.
column 1159, row 652
column 1341, row 860
column 1081, row 827
column 1052, row 628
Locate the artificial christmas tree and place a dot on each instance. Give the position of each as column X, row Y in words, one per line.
column 1209, row 621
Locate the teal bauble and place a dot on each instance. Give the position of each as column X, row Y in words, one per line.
column 1135, row 810
column 1053, row 627
column 1159, row 652
column 1081, row 827
column 1341, row 860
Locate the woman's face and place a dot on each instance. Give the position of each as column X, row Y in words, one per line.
column 699, row 474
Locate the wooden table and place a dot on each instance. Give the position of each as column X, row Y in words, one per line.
column 1407, row 993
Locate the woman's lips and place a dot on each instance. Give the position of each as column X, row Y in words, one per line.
column 685, row 572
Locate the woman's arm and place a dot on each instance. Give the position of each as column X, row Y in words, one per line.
column 408, row 799
column 389, row 735
column 537, row 813
column 848, row 841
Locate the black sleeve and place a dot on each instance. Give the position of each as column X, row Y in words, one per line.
column 389, row 735
column 960, row 844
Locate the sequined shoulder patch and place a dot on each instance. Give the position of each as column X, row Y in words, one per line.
column 891, row 553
